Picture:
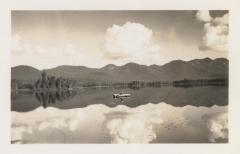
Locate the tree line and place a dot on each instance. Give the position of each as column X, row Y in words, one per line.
column 200, row 82
column 52, row 82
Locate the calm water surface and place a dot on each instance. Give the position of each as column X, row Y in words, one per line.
column 150, row 115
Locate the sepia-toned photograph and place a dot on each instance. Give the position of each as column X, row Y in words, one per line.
column 119, row 77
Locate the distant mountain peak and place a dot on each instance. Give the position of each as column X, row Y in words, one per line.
column 109, row 67
column 154, row 65
column 24, row 66
column 132, row 64
column 207, row 58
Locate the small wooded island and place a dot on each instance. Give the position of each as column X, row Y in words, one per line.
column 45, row 83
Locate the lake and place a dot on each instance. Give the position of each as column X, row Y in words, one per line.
column 150, row 115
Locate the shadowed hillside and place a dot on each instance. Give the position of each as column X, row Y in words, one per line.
column 175, row 70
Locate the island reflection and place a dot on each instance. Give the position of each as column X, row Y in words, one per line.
column 51, row 97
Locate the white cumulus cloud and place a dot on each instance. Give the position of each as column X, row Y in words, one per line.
column 216, row 32
column 215, row 37
column 222, row 20
column 129, row 40
column 203, row 15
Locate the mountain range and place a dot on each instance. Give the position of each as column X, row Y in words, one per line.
column 175, row 70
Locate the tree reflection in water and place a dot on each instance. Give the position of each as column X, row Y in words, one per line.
column 51, row 97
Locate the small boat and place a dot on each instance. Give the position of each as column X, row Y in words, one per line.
column 121, row 94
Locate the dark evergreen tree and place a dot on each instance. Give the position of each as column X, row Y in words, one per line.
column 37, row 84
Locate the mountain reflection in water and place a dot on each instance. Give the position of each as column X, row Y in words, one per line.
column 197, row 96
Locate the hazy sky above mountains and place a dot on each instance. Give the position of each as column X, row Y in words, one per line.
column 46, row 39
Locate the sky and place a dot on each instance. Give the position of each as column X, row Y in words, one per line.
column 47, row 39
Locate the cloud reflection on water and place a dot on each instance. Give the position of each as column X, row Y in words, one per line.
column 157, row 123
column 218, row 126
